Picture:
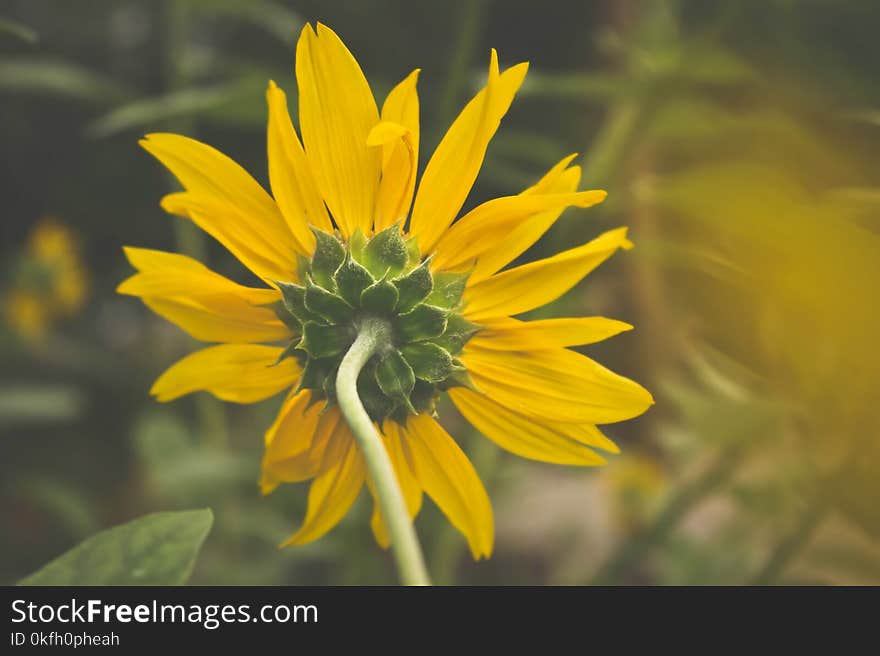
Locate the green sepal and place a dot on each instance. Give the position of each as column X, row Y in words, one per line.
column 356, row 244
column 377, row 405
column 413, row 252
column 458, row 331
column 458, row 377
column 428, row 361
column 424, row 396
column 315, row 372
column 329, row 254
column 330, row 389
column 448, row 289
column 294, row 299
column 303, row 266
column 414, row 287
column 284, row 315
column 380, row 297
column 351, row 280
column 289, row 351
column 321, row 341
column 326, row 304
column 395, row 378
column 385, row 252
column 421, row 323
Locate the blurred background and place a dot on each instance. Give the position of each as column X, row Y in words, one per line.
column 738, row 140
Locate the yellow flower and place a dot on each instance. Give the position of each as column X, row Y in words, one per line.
column 330, row 250
column 49, row 283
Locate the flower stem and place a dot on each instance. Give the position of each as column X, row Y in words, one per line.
column 373, row 334
column 790, row 545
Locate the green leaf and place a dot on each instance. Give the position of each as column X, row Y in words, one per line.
column 56, row 77
column 149, row 111
column 386, row 252
column 273, row 17
column 18, row 30
column 414, row 287
column 351, row 280
column 448, row 288
column 157, row 549
column 329, row 254
column 429, row 362
column 424, row 322
column 380, row 297
column 39, row 404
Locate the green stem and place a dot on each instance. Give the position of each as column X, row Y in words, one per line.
column 667, row 520
column 373, row 335
column 790, row 545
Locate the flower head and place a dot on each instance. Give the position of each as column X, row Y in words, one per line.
column 336, row 244
column 49, row 280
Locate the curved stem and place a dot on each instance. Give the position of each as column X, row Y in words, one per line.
column 373, row 334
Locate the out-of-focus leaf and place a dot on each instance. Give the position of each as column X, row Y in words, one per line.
column 854, row 490
column 718, row 418
column 149, row 111
column 273, row 17
column 65, row 505
column 236, row 102
column 18, row 30
column 869, row 116
column 588, row 86
column 56, row 77
column 528, row 147
column 707, row 64
column 39, row 404
column 183, row 470
column 157, row 549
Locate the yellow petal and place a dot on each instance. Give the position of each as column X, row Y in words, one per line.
column 555, row 385
column 334, row 491
column 291, row 178
column 205, row 304
column 227, row 203
column 409, row 486
column 453, row 167
column 559, row 180
column 243, row 373
column 521, row 435
column 336, row 113
column 398, row 134
column 535, row 284
column 506, row 334
column 483, row 231
column 448, row 477
column 296, row 441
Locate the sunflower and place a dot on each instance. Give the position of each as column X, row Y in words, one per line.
column 337, row 246
column 50, row 281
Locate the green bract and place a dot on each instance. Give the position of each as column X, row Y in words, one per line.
column 382, row 278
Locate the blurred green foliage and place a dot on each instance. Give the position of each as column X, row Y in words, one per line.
column 737, row 140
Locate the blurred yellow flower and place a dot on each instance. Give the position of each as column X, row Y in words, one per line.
column 49, row 282
column 637, row 482
column 335, row 249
